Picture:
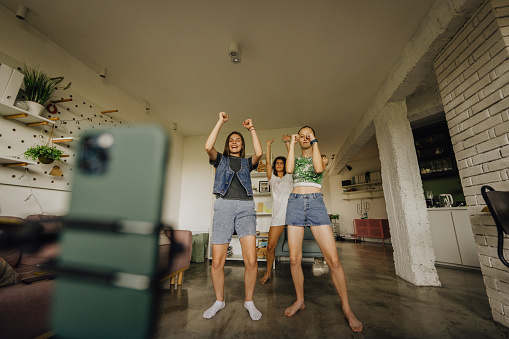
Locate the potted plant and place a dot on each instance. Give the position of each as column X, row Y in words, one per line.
column 45, row 154
column 334, row 217
column 39, row 87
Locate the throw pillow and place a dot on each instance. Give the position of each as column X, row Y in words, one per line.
column 163, row 238
column 7, row 274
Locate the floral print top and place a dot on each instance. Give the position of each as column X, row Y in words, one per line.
column 304, row 173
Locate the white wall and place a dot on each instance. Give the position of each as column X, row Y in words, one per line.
column 366, row 160
column 12, row 201
column 197, row 175
column 19, row 42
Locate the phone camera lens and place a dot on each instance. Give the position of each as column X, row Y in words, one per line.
column 94, row 158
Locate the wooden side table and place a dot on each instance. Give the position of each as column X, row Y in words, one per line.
column 372, row 228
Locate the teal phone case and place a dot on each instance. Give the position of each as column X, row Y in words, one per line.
column 128, row 187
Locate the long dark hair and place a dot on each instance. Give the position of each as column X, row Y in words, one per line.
column 226, row 151
column 274, row 165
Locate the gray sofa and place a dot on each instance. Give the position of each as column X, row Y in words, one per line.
column 310, row 247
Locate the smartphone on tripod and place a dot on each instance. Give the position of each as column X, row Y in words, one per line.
column 109, row 246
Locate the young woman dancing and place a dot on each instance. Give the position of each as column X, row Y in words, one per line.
column 281, row 184
column 306, row 208
column 234, row 210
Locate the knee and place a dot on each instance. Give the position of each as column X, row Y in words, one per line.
column 334, row 264
column 295, row 260
column 271, row 248
column 251, row 264
column 217, row 265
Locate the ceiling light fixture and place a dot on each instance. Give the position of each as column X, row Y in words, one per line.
column 234, row 51
column 21, row 12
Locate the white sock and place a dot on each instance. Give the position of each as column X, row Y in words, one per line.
column 253, row 311
column 218, row 305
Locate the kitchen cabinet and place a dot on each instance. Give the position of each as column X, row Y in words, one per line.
column 452, row 235
column 434, row 151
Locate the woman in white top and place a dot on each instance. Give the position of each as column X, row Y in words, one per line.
column 281, row 184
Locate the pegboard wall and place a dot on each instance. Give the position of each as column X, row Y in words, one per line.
column 75, row 117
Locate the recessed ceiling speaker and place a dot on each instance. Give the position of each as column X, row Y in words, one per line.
column 21, row 13
column 234, row 51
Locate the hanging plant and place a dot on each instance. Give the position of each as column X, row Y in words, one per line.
column 39, row 86
column 44, row 154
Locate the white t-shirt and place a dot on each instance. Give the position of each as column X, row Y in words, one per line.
column 281, row 189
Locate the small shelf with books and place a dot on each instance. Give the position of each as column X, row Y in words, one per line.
column 367, row 186
column 264, row 208
column 235, row 249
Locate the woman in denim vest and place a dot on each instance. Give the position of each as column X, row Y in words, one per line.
column 306, row 208
column 234, row 210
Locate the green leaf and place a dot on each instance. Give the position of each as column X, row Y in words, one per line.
column 36, row 151
column 39, row 86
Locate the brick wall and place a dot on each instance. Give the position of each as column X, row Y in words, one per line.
column 473, row 77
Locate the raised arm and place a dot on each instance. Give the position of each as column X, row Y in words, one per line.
column 211, row 140
column 286, row 140
column 258, row 152
column 267, row 159
column 319, row 163
column 290, row 159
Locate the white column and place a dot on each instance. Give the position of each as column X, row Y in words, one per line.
column 414, row 257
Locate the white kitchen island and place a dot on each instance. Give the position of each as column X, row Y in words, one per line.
column 453, row 238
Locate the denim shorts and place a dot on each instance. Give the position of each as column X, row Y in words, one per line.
column 230, row 215
column 306, row 210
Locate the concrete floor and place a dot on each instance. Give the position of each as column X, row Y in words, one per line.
column 388, row 306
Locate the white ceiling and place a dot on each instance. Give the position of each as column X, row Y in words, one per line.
column 304, row 62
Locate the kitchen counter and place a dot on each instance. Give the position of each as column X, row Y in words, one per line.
column 453, row 239
column 447, row 208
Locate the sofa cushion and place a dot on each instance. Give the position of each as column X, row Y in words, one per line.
column 7, row 274
column 163, row 238
column 11, row 255
column 51, row 223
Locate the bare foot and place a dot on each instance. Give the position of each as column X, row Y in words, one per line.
column 264, row 279
column 291, row 310
column 354, row 323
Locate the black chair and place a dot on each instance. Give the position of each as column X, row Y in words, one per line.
column 498, row 204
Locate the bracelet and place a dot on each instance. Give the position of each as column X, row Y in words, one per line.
column 285, row 141
column 250, row 128
column 313, row 141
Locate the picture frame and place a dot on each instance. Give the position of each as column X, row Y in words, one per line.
column 263, row 186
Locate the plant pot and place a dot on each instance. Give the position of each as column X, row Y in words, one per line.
column 34, row 108
column 45, row 160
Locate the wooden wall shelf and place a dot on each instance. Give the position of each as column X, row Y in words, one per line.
column 7, row 161
column 63, row 140
column 14, row 113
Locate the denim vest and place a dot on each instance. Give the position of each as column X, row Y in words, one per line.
column 224, row 176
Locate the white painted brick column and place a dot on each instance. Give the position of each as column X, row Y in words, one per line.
column 414, row 256
column 473, row 79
